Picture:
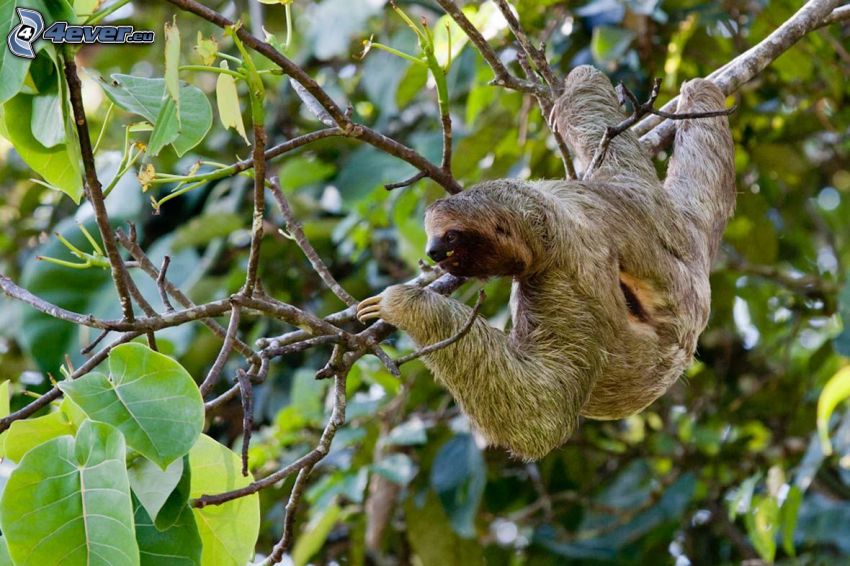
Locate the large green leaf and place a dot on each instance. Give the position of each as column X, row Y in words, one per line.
column 228, row 531
column 179, row 545
column 13, row 70
column 149, row 397
column 146, row 97
column 68, row 502
column 58, row 164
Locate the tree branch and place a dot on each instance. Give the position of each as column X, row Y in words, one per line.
column 94, row 189
column 814, row 14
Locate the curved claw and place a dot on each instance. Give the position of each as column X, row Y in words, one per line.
column 369, row 308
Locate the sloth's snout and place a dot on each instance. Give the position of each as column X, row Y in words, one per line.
column 437, row 252
column 439, row 249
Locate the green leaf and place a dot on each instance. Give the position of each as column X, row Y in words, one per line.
column 609, row 44
column 201, row 230
column 315, row 534
column 179, row 545
column 5, row 398
column 13, row 70
column 48, row 123
column 299, row 171
column 172, row 61
column 836, row 390
column 149, row 397
column 762, row 524
column 5, row 560
column 458, row 476
column 69, row 500
column 227, row 99
column 228, row 531
column 433, row 539
column 152, row 485
column 26, row 434
column 145, row 97
column 178, row 499
column 788, row 518
column 166, row 127
column 57, row 164
column 398, row 468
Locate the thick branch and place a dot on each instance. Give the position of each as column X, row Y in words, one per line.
column 656, row 133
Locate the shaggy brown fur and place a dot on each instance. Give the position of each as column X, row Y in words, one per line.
column 610, row 275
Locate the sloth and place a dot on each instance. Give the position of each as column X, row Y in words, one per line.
column 610, row 275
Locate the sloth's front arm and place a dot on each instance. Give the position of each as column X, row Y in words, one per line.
column 517, row 397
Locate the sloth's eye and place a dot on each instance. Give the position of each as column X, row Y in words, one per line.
column 450, row 237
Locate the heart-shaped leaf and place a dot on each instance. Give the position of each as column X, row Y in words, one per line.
column 149, row 397
column 69, row 501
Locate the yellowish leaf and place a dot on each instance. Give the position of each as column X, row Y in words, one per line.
column 836, row 390
column 227, row 99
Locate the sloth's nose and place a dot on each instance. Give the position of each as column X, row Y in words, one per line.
column 437, row 253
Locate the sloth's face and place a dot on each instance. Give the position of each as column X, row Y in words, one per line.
column 467, row 252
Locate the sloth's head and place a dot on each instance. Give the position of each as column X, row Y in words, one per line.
column 474, row 234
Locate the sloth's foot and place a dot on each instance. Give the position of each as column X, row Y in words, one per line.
column 369, row 308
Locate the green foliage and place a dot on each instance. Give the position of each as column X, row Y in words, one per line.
column 149, row 397
column 70, row 497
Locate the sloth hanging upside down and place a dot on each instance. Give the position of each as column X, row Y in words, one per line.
column 610, row 275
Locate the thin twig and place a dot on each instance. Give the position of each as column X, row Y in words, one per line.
column 247, row 392
column 251, row 273
column 295, row 229
column 502, row 76
column 94, row 189
column 537, row 56
column 407, row 182
column 451, row 339
column 55, row 393
column 289, row 517
column 341, row 118
column 160, row 284
column 218, row 366
column 310, row 459
column 129, row 242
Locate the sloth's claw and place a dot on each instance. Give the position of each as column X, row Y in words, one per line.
column 369, row 309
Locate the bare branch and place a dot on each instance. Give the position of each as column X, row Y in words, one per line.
column 407, row 182
column 160, row 284
column 130, row 244
column 215, row 371
column 537, row 56
column 259, row 204
column 94, row 189
column 451, row 339
column 247, row 392
column 503, row 76
column 295, row 229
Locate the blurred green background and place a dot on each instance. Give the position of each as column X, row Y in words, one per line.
column 725, row 467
